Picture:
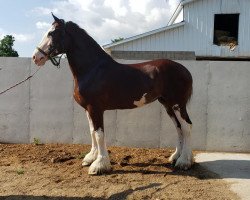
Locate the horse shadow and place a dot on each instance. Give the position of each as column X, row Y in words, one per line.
column 217, row 169
column 121, row 195
column 196, row 171
column 31, row 197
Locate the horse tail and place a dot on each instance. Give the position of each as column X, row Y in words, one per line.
column 190, row 90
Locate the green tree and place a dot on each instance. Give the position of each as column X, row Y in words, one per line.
column 6, row 45
column 117, row 40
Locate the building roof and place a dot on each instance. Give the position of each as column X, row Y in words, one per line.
column 170, row 25
column 145, row 34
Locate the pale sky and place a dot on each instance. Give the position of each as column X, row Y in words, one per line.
column 28, row 20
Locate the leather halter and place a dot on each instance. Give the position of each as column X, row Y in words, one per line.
column 52, row 49
column 52, row 59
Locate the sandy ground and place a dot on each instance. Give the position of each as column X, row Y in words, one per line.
column 39, row 172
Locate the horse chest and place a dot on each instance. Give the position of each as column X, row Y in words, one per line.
column 85, row 93
column 78, row 98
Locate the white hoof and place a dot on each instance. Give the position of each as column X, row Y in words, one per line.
column 173, row 158
column 89, row 158
column 184, row 162
column 100, row 166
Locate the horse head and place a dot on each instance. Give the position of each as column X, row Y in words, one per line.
column 53, row 43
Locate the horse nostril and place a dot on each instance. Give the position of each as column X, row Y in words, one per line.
column 34, row 57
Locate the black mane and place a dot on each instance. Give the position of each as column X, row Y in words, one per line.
column 82, row 38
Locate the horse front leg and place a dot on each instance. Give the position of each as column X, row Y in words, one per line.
column 102, row 162
column 92, row 155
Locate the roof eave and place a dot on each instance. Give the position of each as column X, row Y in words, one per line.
column 178, row 10
column 175, row 15
column 184, row 2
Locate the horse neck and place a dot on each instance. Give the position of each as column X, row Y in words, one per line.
column 84, row 53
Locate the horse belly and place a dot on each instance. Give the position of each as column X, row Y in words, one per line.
column 130, row 99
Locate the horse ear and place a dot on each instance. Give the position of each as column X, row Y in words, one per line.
column 55, row 18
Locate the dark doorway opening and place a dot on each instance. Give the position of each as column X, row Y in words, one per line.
column 226, row 28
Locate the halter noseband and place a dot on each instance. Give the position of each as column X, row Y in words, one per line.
column 52, row 49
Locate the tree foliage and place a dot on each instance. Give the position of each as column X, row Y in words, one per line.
column 6, row 47
column 117, row 40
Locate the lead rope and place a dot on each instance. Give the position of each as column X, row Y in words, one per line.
column 13, row 86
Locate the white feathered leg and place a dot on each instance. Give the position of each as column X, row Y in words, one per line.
column 186, row 158
column 102, row 163
column 173, row 158
column 92, row 155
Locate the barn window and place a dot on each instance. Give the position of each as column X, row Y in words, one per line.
column 226, row 28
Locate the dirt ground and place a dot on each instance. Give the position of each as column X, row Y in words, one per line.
column 39, row 172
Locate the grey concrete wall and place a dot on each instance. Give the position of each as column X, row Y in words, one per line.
column 44, row 108
column 51, row 104
column 14, row 105
column 228, row 123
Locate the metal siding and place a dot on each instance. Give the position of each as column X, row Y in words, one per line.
column 209, row 27
column 138, row 44
column 133, row 45
column 244, row 29
column 247, row 28
column 229, row 6
column 148, row 43
column 165, row 40
column 129, row 46
column 161, row 41
column 152, row 42
column 174, row 40
column 156, row 42
column 170, row 40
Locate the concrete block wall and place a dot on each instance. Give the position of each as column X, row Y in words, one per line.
column 44, row 108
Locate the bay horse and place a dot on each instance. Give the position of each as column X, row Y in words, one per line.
column 101, row 83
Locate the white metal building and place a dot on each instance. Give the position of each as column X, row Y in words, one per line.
column 210, row 28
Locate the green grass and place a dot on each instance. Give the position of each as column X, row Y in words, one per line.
column 20, row 171
column 36, row 141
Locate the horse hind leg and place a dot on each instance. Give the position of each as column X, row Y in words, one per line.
column 173, row 158
column 185, row 159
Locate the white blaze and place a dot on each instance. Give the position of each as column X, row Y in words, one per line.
column 38, row 57
column 46, row 40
